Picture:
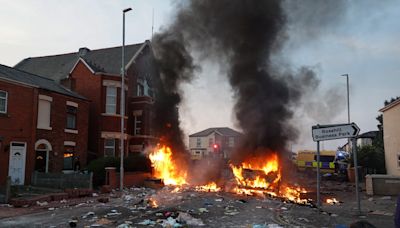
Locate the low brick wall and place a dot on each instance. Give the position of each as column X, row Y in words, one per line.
column 131, row 179
column 5, row 191
column 382, row 185
column 62, row 180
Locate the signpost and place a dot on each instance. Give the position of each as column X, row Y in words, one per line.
column 330, row 132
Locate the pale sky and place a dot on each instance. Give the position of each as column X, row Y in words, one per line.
column 365, row 45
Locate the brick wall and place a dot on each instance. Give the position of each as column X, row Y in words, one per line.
column 89, row 85
column 18, row 125
column 57, row 136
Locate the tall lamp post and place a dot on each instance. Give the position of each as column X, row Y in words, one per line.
column 348, row 105
column 122, row 103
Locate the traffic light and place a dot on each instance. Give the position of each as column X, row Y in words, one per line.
column 216, row 148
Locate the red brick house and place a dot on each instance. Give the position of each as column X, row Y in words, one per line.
column 95, row 74
column 43, row 126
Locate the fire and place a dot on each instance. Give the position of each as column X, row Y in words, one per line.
column 256, row 176
column 263, row 173
column 165, row 168
column 263, row 178
column 153, row 203
column 210, row 187
column 332, row 201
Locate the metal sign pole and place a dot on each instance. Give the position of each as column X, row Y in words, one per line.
column 356, row 174
column 318, row 179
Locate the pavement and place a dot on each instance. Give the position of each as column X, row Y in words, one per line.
column 144, row 207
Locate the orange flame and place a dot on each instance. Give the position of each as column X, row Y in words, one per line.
column 210, row 187
column 165, row 168
column 332, row 201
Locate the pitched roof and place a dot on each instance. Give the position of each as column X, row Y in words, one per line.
column 11, row 74
column 58, row 67
column 390, row 105
column 224, row 131
column 369, row 134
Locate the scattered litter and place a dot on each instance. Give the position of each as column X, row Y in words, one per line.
column 42, row 203
column 189, row 220
column 203, row 210
column 159, row 214
column 128, row 197
column 259, row 207
column 102, row 221
column 378, row 212
column 208, row 204
column 303, row 219
column 284, row 208
column 123, row 225
column 219, row 200
column 80, row 204
column 147, row 222
column 229, row 210
column 63, row 201
column 334, row 215
column 386, row 198
column 274, row 226
column 259, row 226
column 113, row 214
column 73, row 222
column 51, row 208
column 89, row 214
column 371, row 199
column 95, row 194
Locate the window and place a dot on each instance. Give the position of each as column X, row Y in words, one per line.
column 111, row 100
column 71, row 117
column 398, row 160
column 138, row 125
column 44, row 112
column 69, row 158
column 140, row 90
column 231, row 142
column 3, row 101
column 198, row 142
column 210, row 142
column 109, row 147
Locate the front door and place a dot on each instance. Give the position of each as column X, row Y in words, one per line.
column 40, row 163
column 16, row 167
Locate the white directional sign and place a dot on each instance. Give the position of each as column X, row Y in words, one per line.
column 337, row 131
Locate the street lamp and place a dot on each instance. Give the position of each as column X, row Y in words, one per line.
column 348, row 106
column 122, row 103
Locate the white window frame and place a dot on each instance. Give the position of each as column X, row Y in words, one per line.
column 109, row 147
column 114, row 97
column 6, row 102
column 40, row 125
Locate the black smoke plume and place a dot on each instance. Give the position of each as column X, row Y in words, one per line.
column 243, row 36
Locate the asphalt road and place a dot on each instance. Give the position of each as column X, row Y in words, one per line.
column 198, row 209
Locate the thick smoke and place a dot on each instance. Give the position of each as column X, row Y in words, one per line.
column 243, row 36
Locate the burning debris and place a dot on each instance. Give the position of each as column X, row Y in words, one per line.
column 247, row 39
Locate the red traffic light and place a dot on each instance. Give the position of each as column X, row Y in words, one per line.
column 215, row 146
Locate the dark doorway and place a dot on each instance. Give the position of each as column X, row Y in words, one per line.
column 40, row 163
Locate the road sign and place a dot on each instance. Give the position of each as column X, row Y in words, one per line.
column 336, row 131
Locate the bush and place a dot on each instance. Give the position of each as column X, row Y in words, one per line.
column 98, row 168
column 372, row 157
column 133, row 163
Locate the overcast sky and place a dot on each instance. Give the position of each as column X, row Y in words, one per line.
column 365, row 45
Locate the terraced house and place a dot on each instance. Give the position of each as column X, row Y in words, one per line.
column 43, row 126
column 95, row 74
